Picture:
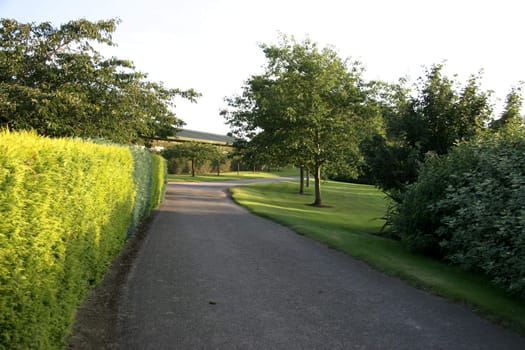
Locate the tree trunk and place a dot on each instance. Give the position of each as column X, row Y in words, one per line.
column 193, row 167
column 218, row 169
column 307, row 177
column 301, row 180
column 317, row 177
column 238, row 167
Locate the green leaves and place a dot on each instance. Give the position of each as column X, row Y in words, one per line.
column 432, row 119
column 468, row 207
column 197, row 153
column 511, row 117
column 52, row 80
column 309, row 108
column 66, row 206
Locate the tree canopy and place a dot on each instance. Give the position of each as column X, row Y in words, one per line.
column 53, row 80
column 511, row 115
column 196, row 152
column 309, row 107
column 433, row 119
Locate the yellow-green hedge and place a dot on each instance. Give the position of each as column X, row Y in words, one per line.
column 65, row 208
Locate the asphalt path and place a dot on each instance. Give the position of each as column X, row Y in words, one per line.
column 210, row 275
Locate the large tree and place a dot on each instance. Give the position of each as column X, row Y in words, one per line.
column 433, row 119
column 195, row 152
column 309, row 107
column 511, row 115
column 53, row 80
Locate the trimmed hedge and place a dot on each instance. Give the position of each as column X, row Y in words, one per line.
column 142, row 179
column 66, row 206
column 150, row 173
column 159, row 175
column 468, row 207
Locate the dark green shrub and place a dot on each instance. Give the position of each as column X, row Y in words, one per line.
column 469, row 208
column 414, row 217
column 487, row 226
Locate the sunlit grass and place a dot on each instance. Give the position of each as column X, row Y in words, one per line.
column 233, row 175
column 355, row 214
column 228, row 176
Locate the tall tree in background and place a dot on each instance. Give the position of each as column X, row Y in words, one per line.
column 439, row 115
column 54, row 81
column 432, row 120
column 195, row 152
column 309, row 107
column 511, row 115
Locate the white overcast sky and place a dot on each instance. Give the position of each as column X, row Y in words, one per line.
column 212, row 45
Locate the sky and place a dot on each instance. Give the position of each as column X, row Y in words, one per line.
column 212, row 46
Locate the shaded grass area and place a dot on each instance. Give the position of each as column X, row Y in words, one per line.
column 350, row 223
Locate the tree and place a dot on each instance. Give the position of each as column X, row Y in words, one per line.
column 391, row 165
column 308, row 107
column 432, row 120
column 219, row 157
column 472, row 110
column 197, row 153
column 511, row 115
column 54, row 81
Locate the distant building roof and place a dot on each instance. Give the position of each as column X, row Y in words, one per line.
column 188, row 135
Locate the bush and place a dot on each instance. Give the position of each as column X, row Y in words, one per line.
column 142, row 178
column 468, row 207
column 149, row 175
column 202, row 157
column 66, row 208
column 159, row 176
column 415, row 218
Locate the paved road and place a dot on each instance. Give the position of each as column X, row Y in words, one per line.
column 212, row 276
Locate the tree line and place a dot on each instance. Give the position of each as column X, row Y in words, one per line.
column 197, row 154
column 454, row 171
column 315, row 110
column 54, row 80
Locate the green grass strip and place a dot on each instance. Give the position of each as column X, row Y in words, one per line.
column 229, row 176
column 353, row 216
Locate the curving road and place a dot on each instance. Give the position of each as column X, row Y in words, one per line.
column 210, row 275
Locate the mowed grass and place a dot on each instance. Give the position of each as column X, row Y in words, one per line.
column 227, row 176
column 350, row 223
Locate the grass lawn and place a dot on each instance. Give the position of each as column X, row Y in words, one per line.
column 349, row 223
column 232, row 175
column 229, row 176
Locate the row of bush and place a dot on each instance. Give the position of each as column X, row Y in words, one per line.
column 183, row 166
column 150, row 173
column 66, row 207
column 468, row 207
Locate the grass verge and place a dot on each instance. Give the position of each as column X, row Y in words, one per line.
column 233, row 175
column 349, row 223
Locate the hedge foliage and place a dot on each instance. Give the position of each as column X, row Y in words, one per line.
column 65, row 206
column 142, row 179
column 159, row 174
column 149, row 174
column 469, row 208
